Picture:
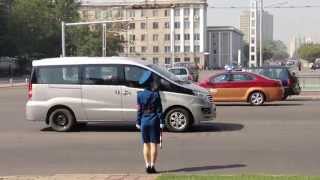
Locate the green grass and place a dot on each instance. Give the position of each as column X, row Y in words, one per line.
column 209, row 177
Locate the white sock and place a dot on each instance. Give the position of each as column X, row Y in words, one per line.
column 152, row 165
column 147, row 165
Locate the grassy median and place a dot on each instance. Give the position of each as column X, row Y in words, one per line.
column 209, row 177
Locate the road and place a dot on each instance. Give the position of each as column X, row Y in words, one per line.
column 278, row 138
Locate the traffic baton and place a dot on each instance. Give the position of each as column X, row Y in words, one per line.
column 160, row 138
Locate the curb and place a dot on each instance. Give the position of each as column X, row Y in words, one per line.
column 12, row 86
column 312, row 98
column 84, row 177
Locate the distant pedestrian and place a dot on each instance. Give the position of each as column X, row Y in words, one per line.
column 299, row 65
column 150, row 119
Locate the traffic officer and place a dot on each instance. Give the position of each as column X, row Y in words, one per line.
column 150, row 118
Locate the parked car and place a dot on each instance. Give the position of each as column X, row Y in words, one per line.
column 289, row 81
column 243, row 87
column 316, row 64
column 193, row 69
column 67, row 91
column 182, row 73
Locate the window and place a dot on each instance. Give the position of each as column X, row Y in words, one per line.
column 102, row 75
column 155, row 60
column 177, row 60
column 214, row 51
column 132, row 49
column 133, row 75
column 253, row 40
column 132, row 37
column 143, row 25
column 59, row 75
column 155, row 12
column 166, row 12
column 253, row 31
column 143, row 49
column 177, row 12
column 167, row 60
column 186, row 59
column 196, row 12
column 186, row 48
column 98, row 14
column 186, row 12
column 167, row 37
column 252, row 58
column 142, row 13
column 197, row 37
column 167, row 49
column 177, row 48
column 253, row 49
column 186, row 24
column 132, row 13
column 155, row 49
column 155, row 25
column 143, row 37
column 167, row 25
column 196, row 48
column 179, row 71
column 187, row 37
column 241, row 77
column 132, row 26
column 155, row 37
column 177, row 37
column 177, row 25
column 221, row 78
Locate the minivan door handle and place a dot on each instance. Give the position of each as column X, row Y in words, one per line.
column 126, row 93
column 117, row 92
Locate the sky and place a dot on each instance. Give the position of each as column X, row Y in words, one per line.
column 287, row 22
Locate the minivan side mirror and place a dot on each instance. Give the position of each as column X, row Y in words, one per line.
column 164, row 83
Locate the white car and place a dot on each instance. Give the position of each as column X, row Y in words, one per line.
column 182, row 73
column 67, row 91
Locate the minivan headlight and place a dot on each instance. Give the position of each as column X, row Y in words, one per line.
column 203, row 96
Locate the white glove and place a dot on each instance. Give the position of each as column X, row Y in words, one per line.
column 162, row 126
column 138, row 126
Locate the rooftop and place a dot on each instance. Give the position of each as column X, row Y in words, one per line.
column 224, row 28
column 137, row 2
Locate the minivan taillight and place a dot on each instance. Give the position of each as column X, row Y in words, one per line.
column 30, row 90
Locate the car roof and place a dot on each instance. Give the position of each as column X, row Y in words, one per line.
column 88, row 60
column 270, row 67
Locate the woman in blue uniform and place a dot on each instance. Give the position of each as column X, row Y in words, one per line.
column 150, row 119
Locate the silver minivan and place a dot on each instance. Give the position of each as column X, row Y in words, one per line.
column 66, row 91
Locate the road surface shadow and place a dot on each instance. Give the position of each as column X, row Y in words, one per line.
column 264, row 105
column 108, row 127
column 216, row 127
column 205, row 168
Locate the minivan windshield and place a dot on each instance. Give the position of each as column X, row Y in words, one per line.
column 166, row 73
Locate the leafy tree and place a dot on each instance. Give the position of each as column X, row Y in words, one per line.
column 309, row 52
column 276, row 50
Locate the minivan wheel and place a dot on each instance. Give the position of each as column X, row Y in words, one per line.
column 178, row 120
column 61, row 120
column 256, row 98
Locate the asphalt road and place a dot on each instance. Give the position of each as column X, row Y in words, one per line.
column 278, row 138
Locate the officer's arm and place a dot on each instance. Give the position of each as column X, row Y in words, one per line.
column 160, row 110
column 139, row 114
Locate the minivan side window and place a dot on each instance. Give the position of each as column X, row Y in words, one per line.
column 133, row 75
column 101, row 75
column 58, row 75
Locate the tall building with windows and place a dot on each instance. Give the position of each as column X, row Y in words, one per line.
column 162, row 31
column 250, row 27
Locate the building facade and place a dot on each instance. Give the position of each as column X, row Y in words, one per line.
column 225, row 44
column 162, row 32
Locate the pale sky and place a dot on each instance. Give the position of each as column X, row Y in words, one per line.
column 287, row 22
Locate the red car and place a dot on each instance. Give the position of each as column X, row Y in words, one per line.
column 243, row 87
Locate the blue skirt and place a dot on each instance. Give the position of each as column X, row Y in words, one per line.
column 150, row 129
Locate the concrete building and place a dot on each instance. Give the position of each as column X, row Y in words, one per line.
column 162, row 31
column 294, row 44
column 224, row 44
column 250, row 27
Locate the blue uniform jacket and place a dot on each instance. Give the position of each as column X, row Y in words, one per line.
column 150, row 101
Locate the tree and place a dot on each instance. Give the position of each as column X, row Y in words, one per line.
column 309, row 52
column 275, row 50
column 4, row 13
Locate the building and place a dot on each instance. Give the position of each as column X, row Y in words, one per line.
column 250, row 27
column 224, row 44
column 294, row 44
column 162, row 32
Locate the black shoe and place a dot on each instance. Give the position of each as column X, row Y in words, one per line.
column 153, row 170
column 148, row 170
